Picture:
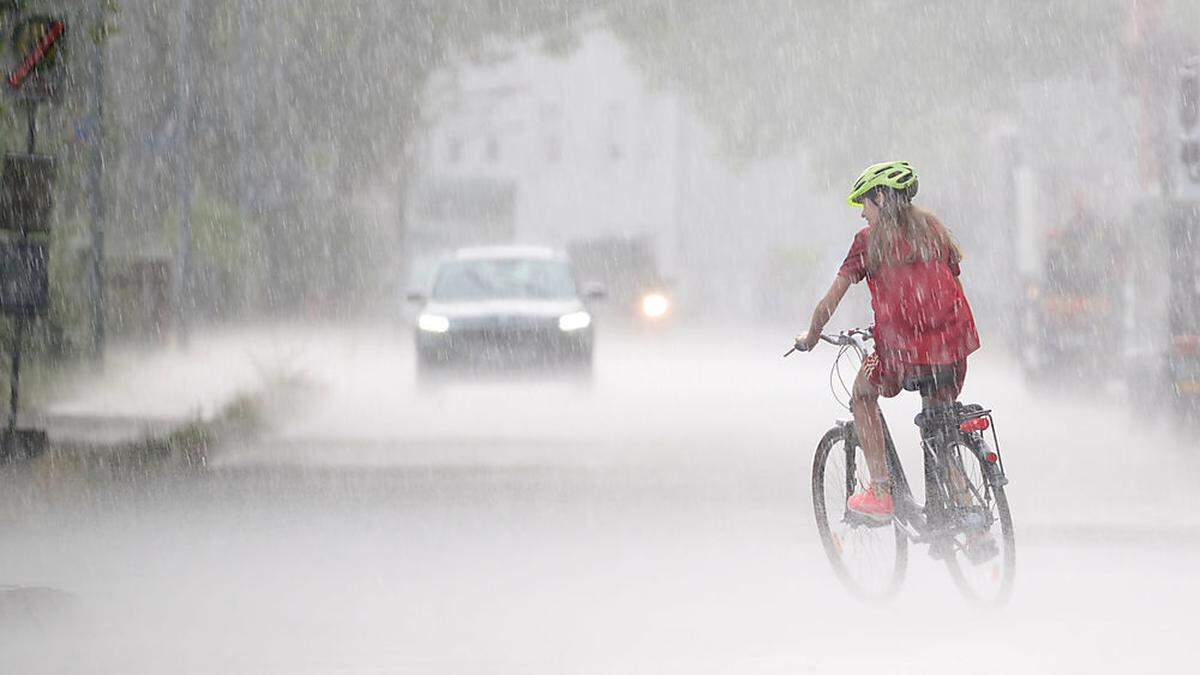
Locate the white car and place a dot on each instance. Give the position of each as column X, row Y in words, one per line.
column 504, row 308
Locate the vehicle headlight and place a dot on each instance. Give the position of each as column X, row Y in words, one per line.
column 574, row 321
column 432, row 323
column 655, row 305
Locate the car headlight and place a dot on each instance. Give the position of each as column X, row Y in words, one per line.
column 432, row 323
column 655, row 305
column 574, row 321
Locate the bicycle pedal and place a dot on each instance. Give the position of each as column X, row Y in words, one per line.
column 982, row 550
column 971, row 519
column 941, row 550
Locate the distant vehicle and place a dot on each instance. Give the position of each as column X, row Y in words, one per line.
column 504, row 308
column 1183, row 355
column 628, row 269
column 1072, row 318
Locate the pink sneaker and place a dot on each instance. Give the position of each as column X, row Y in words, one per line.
column 871, row 505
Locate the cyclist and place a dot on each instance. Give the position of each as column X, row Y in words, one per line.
column 923, row 323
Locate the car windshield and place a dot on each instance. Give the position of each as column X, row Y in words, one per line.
column 504, row 280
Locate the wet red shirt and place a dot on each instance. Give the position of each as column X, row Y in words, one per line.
column 921, row 314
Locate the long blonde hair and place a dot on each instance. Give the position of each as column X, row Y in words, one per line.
column 927, row 238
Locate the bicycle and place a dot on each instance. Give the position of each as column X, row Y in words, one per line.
column 965, row 518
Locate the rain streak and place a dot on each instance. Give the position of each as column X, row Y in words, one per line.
column 445, row 336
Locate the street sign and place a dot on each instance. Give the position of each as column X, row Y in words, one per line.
column 26, row 192
column 38, row 47
column 22, row 444
column 24, row 278
column 1185, row 173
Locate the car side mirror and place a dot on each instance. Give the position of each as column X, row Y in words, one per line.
column 594, row 291
column 416, row 297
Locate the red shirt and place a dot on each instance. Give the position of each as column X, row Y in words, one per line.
column 921, row 313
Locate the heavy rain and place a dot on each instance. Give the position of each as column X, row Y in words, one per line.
column 447, row 336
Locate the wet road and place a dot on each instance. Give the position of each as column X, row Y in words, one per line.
column 655, row 522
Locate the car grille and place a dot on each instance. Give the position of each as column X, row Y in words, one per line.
column 522, row 336
column 504, row 327
column 509, row 341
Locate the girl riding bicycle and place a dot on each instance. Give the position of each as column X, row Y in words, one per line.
column 923, row 323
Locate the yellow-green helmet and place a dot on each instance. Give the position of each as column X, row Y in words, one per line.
column 899, row 176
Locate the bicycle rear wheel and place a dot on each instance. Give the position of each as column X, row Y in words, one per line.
column 981, row 557
column 869, row 558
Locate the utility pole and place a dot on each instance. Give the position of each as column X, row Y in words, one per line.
column 96, row 188
column 1145, row 22
column 28, row 186
column 180, row 293
column 247, row 71
column 244, row 106
column 246, row 101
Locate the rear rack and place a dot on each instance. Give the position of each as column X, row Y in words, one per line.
column 974, row 411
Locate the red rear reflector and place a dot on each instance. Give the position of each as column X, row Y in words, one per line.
column 1187, row 344
column 992, row 457
column 977, row 424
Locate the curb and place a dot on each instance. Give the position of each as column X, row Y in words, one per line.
column 180, row 446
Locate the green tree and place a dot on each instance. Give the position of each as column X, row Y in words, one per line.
column 297, row 105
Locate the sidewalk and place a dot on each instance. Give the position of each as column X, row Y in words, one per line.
column 150, row 392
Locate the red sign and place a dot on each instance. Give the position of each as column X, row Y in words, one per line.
column 54, row 30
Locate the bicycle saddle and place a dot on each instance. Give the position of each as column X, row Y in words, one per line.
column 927, row 383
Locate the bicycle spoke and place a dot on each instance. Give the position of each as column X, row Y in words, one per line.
column 965, row 519
column 982, row 552
column 864, row 554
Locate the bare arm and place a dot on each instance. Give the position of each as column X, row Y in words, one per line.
column 825, row 309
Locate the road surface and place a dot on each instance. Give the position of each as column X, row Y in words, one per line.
column 655, row 522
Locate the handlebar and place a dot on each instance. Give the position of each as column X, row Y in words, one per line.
column 847, row 338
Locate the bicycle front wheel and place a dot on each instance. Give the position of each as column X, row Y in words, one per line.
column 982, row 556
column 868, row 557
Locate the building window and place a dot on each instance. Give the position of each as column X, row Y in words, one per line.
column 493, row 149
column 614, row 131
column 549, row 122
column 614, row 149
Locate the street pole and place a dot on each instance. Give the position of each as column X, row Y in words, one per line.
column 31, row 128
column 96, row 188
column 247, row 71
column 31, row 183
column 244, row 108
column 180, row 294
column 14, row 393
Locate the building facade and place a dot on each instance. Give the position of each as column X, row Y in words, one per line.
column 528, row 147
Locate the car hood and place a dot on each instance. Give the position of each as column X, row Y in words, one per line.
column 495, row 308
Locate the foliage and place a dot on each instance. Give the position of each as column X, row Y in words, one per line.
column 297, row 106
column 855, row 82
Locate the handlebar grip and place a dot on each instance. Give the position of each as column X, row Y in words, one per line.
column 838, row 340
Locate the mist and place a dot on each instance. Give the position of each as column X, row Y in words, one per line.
column 448, row 336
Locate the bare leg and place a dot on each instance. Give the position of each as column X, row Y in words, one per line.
column 868, row 426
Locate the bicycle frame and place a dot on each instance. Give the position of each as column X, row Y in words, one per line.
column 939, row 422
column 907, row 511
column 965, row 519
